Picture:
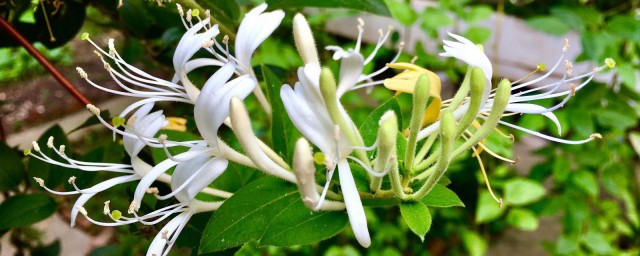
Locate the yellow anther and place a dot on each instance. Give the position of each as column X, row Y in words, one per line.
column 35, row 145
column 39, row 181
column 106, row 207
column 72, row 179
column 176, row 124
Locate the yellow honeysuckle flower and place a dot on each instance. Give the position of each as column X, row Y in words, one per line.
column 406, row 82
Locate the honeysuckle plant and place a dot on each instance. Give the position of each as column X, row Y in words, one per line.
column 298, row 201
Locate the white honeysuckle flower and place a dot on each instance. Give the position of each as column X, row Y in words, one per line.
column 520, row 102
column 145, row 123
column 353, row 62
column 211, row 109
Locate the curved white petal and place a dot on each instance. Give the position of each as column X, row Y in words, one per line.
column 350, row 72
column 102, row 186
column 205, row 105
column 527, row 108
column 357, row 218
column 254, row 29
column 208, row 169
column 173, row 228
column 144, row 124
column 151, row 176
column 469, row 53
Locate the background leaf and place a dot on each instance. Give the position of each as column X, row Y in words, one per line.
column 11, row 169
column 523, row 191
column 22, row 210
column 372, row 6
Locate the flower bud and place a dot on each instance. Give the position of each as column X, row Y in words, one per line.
column 304, row 170
column 477, row 84
column 305, row 43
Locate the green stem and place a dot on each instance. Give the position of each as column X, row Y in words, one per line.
column 425, row 149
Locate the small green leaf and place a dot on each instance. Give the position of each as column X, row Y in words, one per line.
column 22, row 210
column 434, row 18
column 478, row 35
column 523, row 191
column 372, row 6
column 625, row 26
column 11, row 169
column 549, row 24
column 586, row 182
column 627, row 74
column 488, row 209
column 478, row 13
column 522, row 219
column 597, row 243
column 474, row 243
column 417, row 217
column 369, row 127
column 401, row 11
column 566, row 245
column 441, row 196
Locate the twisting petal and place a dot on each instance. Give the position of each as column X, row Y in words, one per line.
column 185, row 172
column 357, row 218
column 350, row 72
column 254, row 29
column 172, row 229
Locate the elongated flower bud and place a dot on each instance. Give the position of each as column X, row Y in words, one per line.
column 242, row 129
column 304, row 170
column 305, row 43
column 477, row 88
column 420, row 99
column 387, row 136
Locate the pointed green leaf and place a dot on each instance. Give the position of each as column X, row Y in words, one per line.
column 523, row 191
column 441, row 196
column 488, row 209
column 22, row 210
column 522, row 219
column 281, row 126
column 417, row 217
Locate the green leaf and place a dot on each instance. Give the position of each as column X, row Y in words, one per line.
column 22, row 210
column 616, row 119
column 597, row 243
column 280, row 122
column 372, row 6
column 401, row 11
column 566, row 245
column 473, row 243
column 417, row 217
column 478, row 35
column 627, row 74
column 369, row 128
column 267, row 208
column 488, row 209
column 586, row 182
column 569, row 17
column 521, row 191
column 549, row 24
column 11, row 169
column 441, row 196
column 522, row 219
column 297, row 225
column 478, row 13
column 53, row 175
column 624, row 26
column 433, row 18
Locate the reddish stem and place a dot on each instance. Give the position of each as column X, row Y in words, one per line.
column 43, row 61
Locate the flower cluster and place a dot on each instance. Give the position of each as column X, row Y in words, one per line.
column 314, row 106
